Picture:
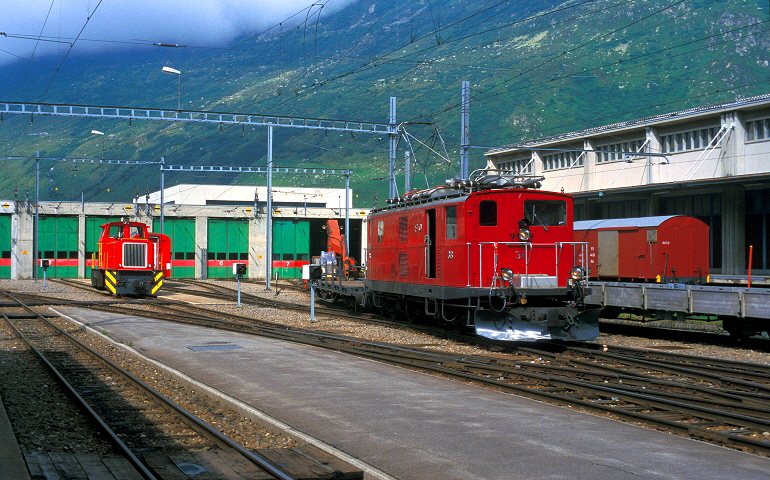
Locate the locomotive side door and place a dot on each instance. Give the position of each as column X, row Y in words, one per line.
column 430, row 243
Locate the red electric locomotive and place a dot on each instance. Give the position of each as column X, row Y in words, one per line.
column 130, row 259
column 491, row 252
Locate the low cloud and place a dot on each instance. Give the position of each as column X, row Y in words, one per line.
column 118, row 23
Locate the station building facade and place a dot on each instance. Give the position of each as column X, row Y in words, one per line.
column 711, row 162
column 209, row 231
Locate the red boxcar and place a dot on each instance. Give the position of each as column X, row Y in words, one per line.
column 130, row 259
column 491, row 253
column 647, row 249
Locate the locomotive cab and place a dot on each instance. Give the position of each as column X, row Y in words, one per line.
column 130, row 260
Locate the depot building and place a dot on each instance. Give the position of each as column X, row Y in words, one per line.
column 211, row 228
column 711, row 162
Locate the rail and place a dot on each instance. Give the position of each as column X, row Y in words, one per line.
column 55, row 347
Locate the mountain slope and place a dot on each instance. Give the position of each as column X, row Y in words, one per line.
column 535, row 70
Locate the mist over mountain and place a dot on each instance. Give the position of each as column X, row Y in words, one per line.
column 535, row 69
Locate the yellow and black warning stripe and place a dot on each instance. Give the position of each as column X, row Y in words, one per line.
column 111, row 281
column 157, row 281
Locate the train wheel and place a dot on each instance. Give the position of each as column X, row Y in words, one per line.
column 397, row 310
column 351, row 303
column 739, row 329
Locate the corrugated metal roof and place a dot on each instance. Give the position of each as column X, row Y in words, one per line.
column 622, row 222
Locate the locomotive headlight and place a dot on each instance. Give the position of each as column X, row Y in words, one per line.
column 524, row 234
column 576, row 273
column 507, row 274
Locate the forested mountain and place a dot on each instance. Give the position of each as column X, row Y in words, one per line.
column 535, row 69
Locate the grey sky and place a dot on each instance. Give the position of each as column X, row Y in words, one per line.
column 196, row 23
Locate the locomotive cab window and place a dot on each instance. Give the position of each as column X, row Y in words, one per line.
column 488, row 213
column 451, row 222
column 545, row 213
column 380, row 230
column 136, row 232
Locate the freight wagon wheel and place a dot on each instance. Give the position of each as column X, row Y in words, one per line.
column 739, row 329
column 610, row 312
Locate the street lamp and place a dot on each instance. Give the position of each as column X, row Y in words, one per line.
column 97, row 132
column 174, row 71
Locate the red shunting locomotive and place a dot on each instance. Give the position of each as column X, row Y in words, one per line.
column 130, row 259
column 491, row 252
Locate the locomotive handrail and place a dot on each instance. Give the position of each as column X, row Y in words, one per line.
column 583, row 255
column 526, row 245
column 468, row 263
column 528, row 249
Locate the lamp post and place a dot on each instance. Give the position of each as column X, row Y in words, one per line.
column 97, row 132
column 174, row 71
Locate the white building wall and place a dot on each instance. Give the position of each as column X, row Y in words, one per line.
column 737, row 162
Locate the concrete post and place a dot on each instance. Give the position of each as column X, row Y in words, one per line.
column 733, row 230
column 82, row 245
column 257, row 247
column 589, row 165
column 22, row 258
column 201, row 246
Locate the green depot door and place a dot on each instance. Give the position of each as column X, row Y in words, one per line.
column 5, row 246
column 93, row 231
column 58, row 242
column 291, row 247
column 182, row 233
column 228, row 244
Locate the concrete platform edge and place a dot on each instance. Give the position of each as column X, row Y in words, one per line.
column 12, row 464
column 246, row 410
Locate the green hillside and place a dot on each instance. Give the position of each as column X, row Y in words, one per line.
column 535, row 69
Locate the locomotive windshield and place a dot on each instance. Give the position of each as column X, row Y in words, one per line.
column 546, row 212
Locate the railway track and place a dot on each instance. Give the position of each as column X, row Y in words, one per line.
column 693, row 333
column 155, row 436
column 721, row 402
column 657, row 330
